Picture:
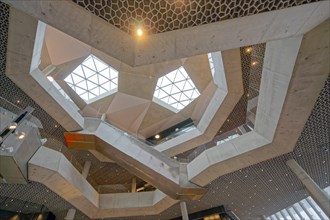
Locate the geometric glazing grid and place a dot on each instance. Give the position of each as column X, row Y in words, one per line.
column 92, row 78
column 176, row 89
column 161, row 16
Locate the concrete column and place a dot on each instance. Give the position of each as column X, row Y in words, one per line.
column 298, row 213
column 70, row 215
column 184, row 210
column 319, row 195
column 310, row 202
column 305, row 210
column 134, row 185
column 290, row 213
column 86, row 168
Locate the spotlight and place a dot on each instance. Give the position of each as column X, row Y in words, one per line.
column 12, row 126
column 157, row 136
column 20, row 135
column 139, row 32
column 248, row 50
column 254, row 63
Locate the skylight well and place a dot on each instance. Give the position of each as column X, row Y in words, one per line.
column 93, row 78
column 176, row 89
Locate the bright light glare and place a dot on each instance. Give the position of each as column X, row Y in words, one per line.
column 139, row 32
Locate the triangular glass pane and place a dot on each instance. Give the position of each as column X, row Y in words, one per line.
column 188, row 93
column 113, row 73
column 100, row 65
column 171, row 76
column 171, row 100
column 167, row 89
column 89, row 63
column 88, row 72
column 112, row 85
column 80, row 91
column 94, row 79
column 165, row 82
column 91, row 85
column 106, row 86
column 180, row 76
column 102, row 91
column 175, row 90
column 195, row 94
column 95, row 91
column 91, row 95
column 68, row 79
column 177, row 96
column 102, row 80
column 161, row 94
column 76, row 79
column 84, row 96
column 180, row 85
column 185, row 103
column 79, row 71
column 188, row 86
column 82, row 85
column 106, row 73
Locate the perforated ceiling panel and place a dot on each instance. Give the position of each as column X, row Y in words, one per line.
column 161, row 16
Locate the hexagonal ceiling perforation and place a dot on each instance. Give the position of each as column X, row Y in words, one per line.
column 93, row 78
column 162, row 16
column 176, row 89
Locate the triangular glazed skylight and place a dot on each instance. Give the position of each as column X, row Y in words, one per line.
column 176, row 89
column 92, row 78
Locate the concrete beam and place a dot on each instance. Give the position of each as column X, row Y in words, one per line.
column 318, row 194
column 235, row 33
column 25, row 41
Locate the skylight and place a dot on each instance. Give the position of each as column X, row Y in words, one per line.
column 176, row 89
column 92, row 78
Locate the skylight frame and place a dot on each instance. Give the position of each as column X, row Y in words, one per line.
column 175, row 90
column 93, row 79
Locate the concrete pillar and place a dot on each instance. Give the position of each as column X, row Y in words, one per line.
column 86, row 168
column 310, row 202
column 298, row 213
column 290, row 213
column 319, row 195
column 184, row 211
column 70, row 215
column 134, row 185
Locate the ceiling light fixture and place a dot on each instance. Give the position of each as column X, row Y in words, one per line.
column 12, row 126
column 139, row 32
column 20, row 135
column 157, row 136
column 248, row 50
